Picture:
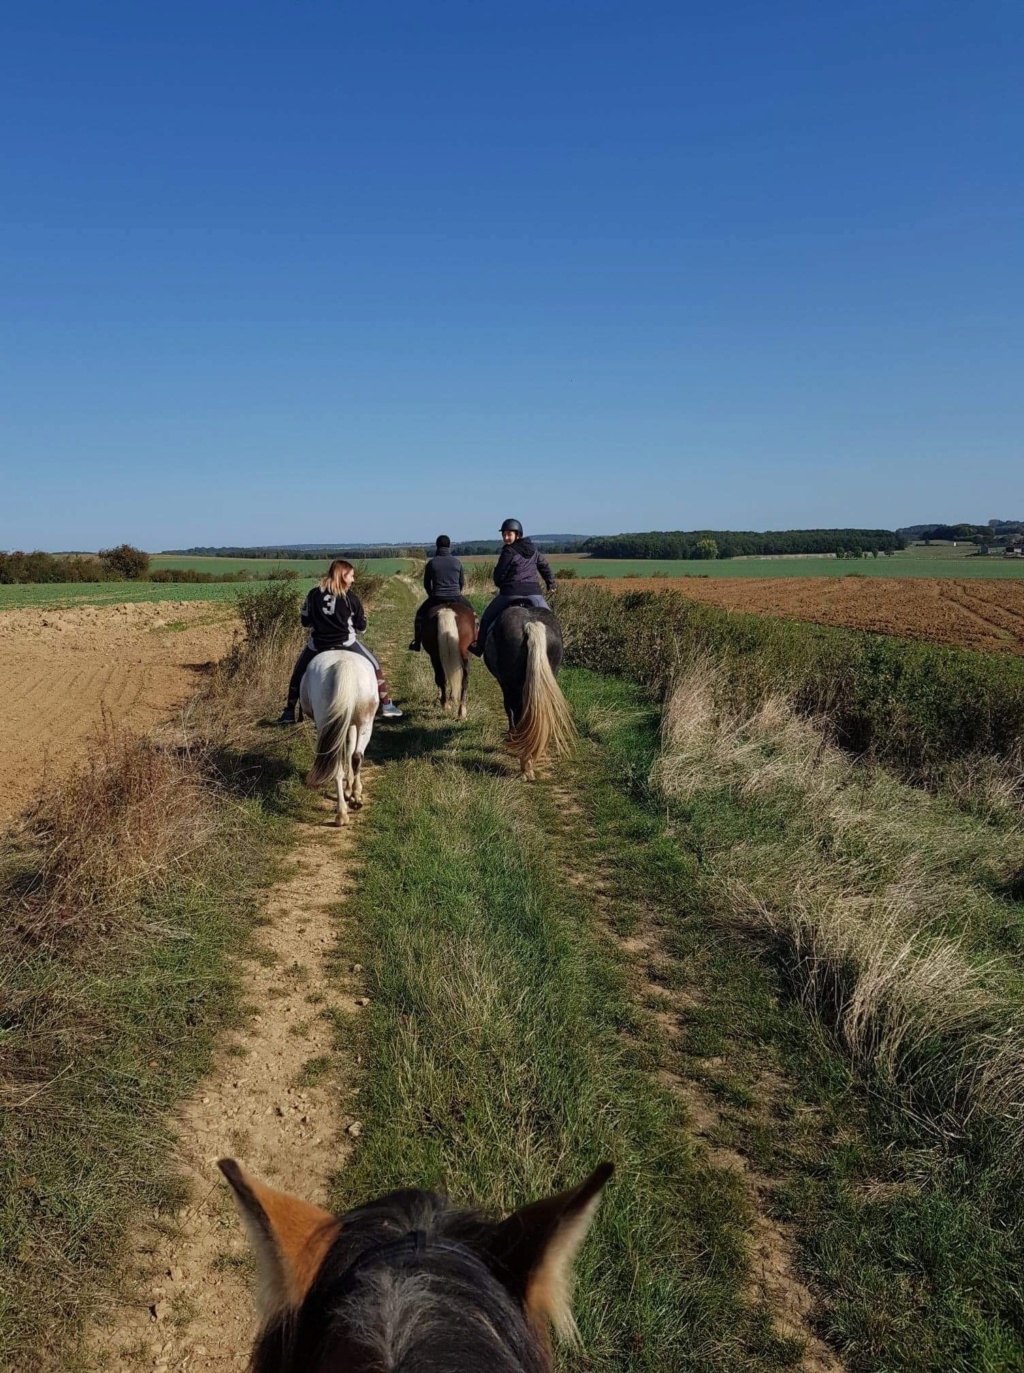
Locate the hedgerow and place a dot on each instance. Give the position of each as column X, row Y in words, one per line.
column 918, row 707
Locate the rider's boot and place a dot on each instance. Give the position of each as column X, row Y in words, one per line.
column 287, row 716
column 414, row 647
column 387, row 707
column 476, row 648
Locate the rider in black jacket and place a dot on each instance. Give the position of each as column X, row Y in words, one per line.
column 516, row 575
column 444, row 582
column 334, row 615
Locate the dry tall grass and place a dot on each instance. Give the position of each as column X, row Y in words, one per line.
column 884, row 903
column 124, row 828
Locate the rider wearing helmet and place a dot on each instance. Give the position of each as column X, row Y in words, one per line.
column 444, row 582
column 517, row 577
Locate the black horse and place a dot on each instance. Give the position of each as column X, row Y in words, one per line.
column 524, row 652
column 409, row 1282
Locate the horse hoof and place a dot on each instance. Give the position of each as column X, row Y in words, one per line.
column 355, row 805
column 340, row 821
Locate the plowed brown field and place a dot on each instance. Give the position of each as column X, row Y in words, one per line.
column 61, row 669
column 975, row 613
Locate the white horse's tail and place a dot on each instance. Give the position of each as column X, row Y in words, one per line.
column 546, row 724
column 449, row 651
column 333, row 732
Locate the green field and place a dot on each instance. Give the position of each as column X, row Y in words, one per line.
column 940, row 561
column 914, row 562
column 261, row 567
column 50, row 595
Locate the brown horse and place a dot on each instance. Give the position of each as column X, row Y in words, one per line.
column 448, row 631
column 409, row 1282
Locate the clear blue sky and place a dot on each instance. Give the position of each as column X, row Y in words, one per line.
column 322, row 270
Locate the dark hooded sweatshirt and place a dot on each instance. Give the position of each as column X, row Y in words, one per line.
column 520, row 568
column 443, row 577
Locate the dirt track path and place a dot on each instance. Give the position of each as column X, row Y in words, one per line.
column 61, row 670
column 272, row 1101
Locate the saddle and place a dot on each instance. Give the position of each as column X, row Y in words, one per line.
column 525, row 603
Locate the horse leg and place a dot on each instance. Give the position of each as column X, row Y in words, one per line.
column 363, row 734
column 440, row 681
column 356, row 793
column 464, row 693
column 341, row 812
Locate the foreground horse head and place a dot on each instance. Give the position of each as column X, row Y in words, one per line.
column 339, row 693
column 448, row 631
column 524, row 651
column 409, row 1282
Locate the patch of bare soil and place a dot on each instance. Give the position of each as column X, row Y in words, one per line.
column 272, row 1101
column 975, row 612
column 60, row 670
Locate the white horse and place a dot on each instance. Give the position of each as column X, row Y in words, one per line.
column 339, row 694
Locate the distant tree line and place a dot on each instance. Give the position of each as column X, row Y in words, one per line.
column 994, row 532
column 120, row 564
column 727, row 543
column 469, row 548
column 354, row 552
column 125, row 563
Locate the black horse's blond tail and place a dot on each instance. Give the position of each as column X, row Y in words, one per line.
column 545, row 724
column 449, row 652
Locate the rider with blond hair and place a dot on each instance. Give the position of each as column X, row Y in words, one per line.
column 334, row 615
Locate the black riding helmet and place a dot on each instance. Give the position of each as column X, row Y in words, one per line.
column 513, row 525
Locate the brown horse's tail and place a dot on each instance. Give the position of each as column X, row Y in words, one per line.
column 546, row 724
column 449, row 651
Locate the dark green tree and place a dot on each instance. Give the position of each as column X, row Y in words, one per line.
column 125, row 561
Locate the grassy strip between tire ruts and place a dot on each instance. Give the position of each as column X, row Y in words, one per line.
column 913, row 1246
column 506, row 1056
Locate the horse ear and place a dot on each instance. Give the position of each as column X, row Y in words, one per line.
column 290, row 1238
column 534, row 1251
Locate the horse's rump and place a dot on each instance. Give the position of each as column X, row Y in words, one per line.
column 337, row 690
column 448, row 630
column 524, row 652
